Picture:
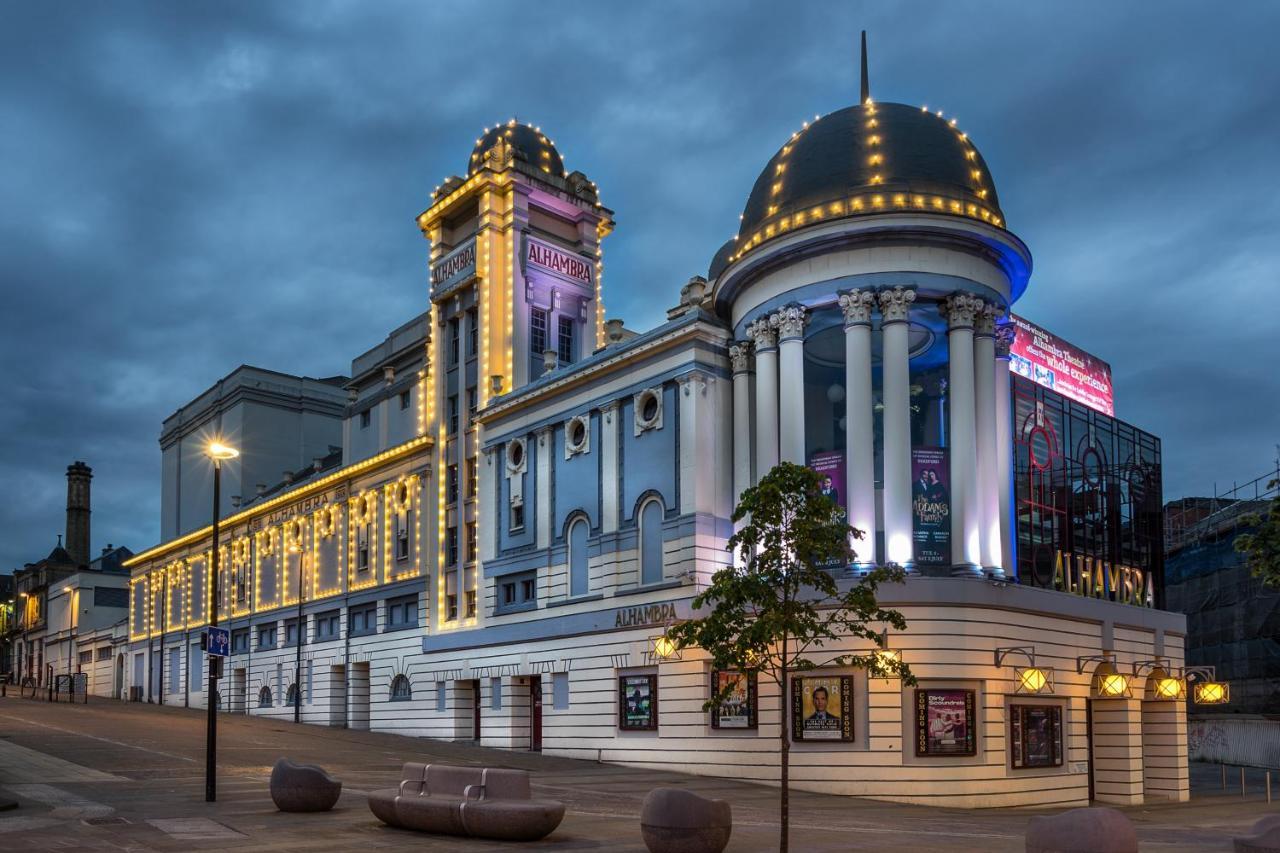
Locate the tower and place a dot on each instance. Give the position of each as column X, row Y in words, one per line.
column 78, row 477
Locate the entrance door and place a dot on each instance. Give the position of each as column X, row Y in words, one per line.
column 475, row 710
column 239, row 686
column 1088, row 737
column 535, row 713
column 118, row 685
column 337, row 695
column 359, row 717
column 157, row 666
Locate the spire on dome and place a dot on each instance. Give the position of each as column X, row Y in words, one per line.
column 866, row 84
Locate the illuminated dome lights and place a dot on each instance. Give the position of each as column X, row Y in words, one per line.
column 530, row 144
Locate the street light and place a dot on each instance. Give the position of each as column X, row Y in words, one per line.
column 218, row 452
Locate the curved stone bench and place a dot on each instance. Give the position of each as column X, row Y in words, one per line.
column 1088, row 830
column 673, row 820
column 481, row 802
column 303, row 787
column 1263, row 838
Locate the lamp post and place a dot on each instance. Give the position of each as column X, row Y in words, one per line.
column 300, row 628
column 217, row 452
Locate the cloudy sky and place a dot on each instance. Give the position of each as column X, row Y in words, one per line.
column 185, row 187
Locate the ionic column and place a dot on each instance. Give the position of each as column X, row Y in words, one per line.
column 961, row 310
column 895, row 311
column 860, row 473
column 984, row 389
column 1004, row 447
column 790, row 322
column 740, row 357
column 765, row 339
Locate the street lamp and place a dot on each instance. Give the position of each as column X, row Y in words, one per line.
column 218, row 452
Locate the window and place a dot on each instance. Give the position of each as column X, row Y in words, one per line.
column 451, row 546
column 454, row 333
column 537, row 331
column 362, row 620
column 195, row 666
column 327, row 624
column 267, row 636
column 560, row 690
column 471, row 603
column 453, row 413
column 517, row 516
column 86, row 657
column 472, row 481
column 239, row 641
column 362, row 548
column 106, row 596
column 564, row 342
column 495, row 694
column 291, row 696
column 651, row 542
column 517, row 592
column 402, row 612
column 473, row 332
column 401, row 689
column 291, row 632
column 404, row 523
column 365, row 417
column 451, row 606
column 578, row 579
column 264, row 697
column 471, row 541
column 104, row 653
column 404, row 399
column 473, row 402
column 451, row 484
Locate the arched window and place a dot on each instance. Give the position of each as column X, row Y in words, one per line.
column 291, row 695
column 578, row 578
column 651, row 541
column 401, row 689
column 264, row 697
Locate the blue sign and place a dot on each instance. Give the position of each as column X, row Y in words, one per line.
column 218, row 641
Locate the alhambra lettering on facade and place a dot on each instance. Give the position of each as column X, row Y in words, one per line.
column 1094, row 578
column 463, row 258
column 637, row 617
column 561, row 262
column 303, row 507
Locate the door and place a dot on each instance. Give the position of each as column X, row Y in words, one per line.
column 359, row 717
column 475, row 710
column 535, row 713
column 118, row 684
column 1088, row 737
column 239, row 683
column 157, row 666
column 337, row 696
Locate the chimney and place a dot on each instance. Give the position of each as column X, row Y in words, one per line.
column 78, row 477
column 262, row 489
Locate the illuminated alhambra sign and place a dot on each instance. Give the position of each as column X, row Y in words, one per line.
column 563, row 263
column 1094, row 578
column 454, row 268
column 644, row 615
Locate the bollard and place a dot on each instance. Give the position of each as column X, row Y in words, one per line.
column 1268, row 786
column 1242, row 783
column 1224, row 776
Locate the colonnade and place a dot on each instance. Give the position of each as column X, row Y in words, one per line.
column 769, row 406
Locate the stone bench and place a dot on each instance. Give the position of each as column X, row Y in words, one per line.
column 1263, row 838
column 482, row 802
column 673, row 820
column 303, row 787
column 1088, row 830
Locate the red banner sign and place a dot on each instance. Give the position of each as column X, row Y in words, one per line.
column 1048, row 360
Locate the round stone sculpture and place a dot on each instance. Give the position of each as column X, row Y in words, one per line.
column 1088, row 830
column 1263, row 838
column 303, row 787
column 673, row 820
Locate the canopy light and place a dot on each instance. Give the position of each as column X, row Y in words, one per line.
column 1212, row 693
column 1163, row 684
column 1029, row 680
column 664, row 647
column 1108, row 682
column 1169, row 688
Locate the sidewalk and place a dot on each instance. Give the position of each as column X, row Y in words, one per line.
column 113, row 776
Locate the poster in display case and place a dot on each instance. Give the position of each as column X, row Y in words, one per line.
column 945, row 722
column 1035, row 736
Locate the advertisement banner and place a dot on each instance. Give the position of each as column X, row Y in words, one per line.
column 830, row 466
column 822, row 708
column 945, row 722
column 1048, row 360
column 931, row 505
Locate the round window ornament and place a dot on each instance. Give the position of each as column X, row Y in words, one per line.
column 516, row 456
column 648, row 410
column 577, row 436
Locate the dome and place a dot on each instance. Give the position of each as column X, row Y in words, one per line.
column 865, row 159
column 530, row 144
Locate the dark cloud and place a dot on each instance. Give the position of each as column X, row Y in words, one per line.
column 187, row 187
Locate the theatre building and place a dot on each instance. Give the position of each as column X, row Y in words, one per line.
column 530, row 494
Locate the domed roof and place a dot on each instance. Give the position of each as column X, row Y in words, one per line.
column 530, row 144
column 865, row 159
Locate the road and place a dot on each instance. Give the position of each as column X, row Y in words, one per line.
column 130, row 777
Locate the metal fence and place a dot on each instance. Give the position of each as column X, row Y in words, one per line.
column 1237, row 740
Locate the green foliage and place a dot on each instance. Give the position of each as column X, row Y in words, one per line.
column 776, row 610
column 1261, row 548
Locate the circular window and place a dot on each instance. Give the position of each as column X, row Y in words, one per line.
column 578, row 433
column 515, row 454
column 402, row 495
column 295, row 530
column 1041, row 447
column 363, row 507
column 1092, row 467
column 649, row 407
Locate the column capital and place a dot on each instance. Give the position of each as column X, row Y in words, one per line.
column 895, row 304
column 740, row 357
column 984, row 322
column 1006, row 331
column 763, row 335
column 857, row 306
column 961, row 310
column 790, row 321
column 695, row 381
column 609, row 408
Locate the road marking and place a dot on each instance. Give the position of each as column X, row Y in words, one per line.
column 20, row 764
column 66, row 805
column 101, row 739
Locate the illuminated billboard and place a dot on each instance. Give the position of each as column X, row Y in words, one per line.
column 1048, row 360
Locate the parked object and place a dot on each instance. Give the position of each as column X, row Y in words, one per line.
column 1263, row 838
column 483, row 802
column 303, row 787
column 1088, row 830
column 673, row 820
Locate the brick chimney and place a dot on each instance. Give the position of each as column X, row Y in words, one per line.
column 78, row 477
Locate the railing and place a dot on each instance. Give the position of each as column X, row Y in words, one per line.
column 1189, row 524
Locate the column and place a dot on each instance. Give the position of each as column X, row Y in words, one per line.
column 740, row 357
column 543, row 498
column 860, row 474
column 765, row 339
column 610, row 497
column 1117, row 751
column 1004, row 448
column 895, row 312
column 790, row 322
column 984, row 390
column 961, row 311
column 1164, row 751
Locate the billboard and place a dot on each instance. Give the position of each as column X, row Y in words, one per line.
column 1048, row 360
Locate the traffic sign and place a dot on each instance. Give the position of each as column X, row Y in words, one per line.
column 218, row 641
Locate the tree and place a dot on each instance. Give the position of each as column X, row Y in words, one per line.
column 772, row 612
column 1261, row 548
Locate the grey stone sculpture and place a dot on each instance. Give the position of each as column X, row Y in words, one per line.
column 303, row 787
column 673, row 820
column 1089, row 830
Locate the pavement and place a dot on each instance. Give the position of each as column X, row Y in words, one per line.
column 111, row 776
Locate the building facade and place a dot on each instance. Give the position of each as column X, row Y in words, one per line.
column 529, row 496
